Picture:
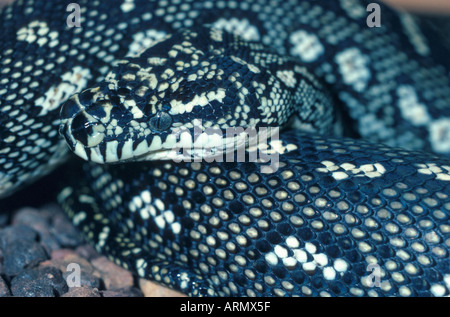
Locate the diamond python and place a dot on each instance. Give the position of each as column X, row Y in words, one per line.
column 340, row 216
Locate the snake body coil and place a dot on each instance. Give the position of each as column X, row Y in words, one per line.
column 337, row 216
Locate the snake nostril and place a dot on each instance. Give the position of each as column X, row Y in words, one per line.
column 86, row 97
column 123, row 91
column 69, row 109
column 87, row 130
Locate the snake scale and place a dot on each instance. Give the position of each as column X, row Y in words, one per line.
column 358, row 203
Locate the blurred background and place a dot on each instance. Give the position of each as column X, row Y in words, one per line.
column 428, row 6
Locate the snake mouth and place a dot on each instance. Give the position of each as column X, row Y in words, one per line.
column 87, row 138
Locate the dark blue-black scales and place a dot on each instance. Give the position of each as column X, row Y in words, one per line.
column 338, row 216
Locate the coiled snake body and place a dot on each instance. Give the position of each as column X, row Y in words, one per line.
column 337, row 216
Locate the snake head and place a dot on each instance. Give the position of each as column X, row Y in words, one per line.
column 193, row 94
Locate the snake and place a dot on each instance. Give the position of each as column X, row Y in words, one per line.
column 238, row 148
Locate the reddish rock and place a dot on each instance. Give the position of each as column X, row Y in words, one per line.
column 60, row 254
column 64, row 260
column 83, row 291
column 5, row 2
column 113, row 275
column 31, row 217
column 151, row 289
column 87, row 251
column 63, row 257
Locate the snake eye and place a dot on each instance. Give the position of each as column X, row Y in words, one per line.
column 87, row 130
column 161, row 121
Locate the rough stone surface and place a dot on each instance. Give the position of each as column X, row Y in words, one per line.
column 1, row 262
column 40, row 223
column 87, row 251
column 4, row 290
column 83, row 291
column 69, row 257
column 39, row 282
column 64, row 260
column 123, row 292
column 15, row 233
column 5, row 2
column 151, row 289
column 31, row 217
column 22, row 254
column 37, row 248
column 64, row 232
column 54, row 229
column 113, row 275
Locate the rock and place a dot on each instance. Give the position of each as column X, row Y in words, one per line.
column 69, row 257
column 85, row 279
column 123, row 292
column 1, row 262
column 22, row 254
column 82, row 291
column 64, row 260
column 15, row 233
column 50, row 210
column 39, row 282
column 5, row 2
column 64, row 232
column 151, row 289
column 61, row 254
column 113, row 275
column 87, row 251
column 49, row 243
column 33, row 263
column 30, row 217
column 37, row 220
column 4, row 289
column 41, row 221
column 4, row 218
